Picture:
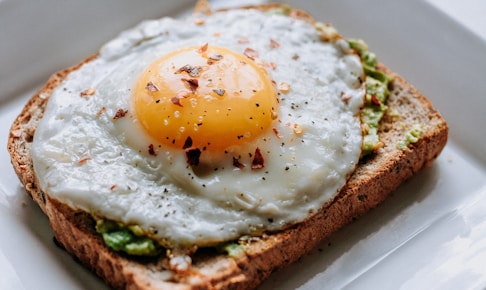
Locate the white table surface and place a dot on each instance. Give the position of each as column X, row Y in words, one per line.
column 470, row 13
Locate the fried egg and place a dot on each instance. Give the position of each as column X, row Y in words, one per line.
column 205, row 129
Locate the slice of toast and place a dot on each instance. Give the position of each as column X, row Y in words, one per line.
column 375, row 178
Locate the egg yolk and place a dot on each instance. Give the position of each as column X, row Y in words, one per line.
column 207, row 97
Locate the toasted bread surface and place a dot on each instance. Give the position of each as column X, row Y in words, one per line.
column 374, row 179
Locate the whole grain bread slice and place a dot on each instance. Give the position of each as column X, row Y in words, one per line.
column 374, row 179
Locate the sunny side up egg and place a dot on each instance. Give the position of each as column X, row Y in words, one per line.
column 205, row 129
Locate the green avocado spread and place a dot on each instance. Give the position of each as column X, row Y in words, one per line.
column 233, row 250
column 134, row 241
column 129, row 239
column 377, row 93
column 412, row 136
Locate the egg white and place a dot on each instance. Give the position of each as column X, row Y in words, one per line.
column 83, row 157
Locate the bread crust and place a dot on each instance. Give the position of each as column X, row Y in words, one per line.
column 374, row 179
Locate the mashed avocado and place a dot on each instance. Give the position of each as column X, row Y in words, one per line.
column 133, row 240
column 412, row 136
column 376, row 94
column 233, row 250
column 129, row 239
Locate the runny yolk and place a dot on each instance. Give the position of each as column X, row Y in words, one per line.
column 209, row 96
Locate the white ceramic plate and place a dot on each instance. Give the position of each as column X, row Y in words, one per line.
column 431, row 233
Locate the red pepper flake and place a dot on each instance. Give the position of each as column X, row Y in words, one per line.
column 191, row 84
column 203, row 48
column 345, row 98
column 113, row 187
column 274, row 43
column 237, row 163
column 187, row 143
column 375, row 101
column 243, row 40
column 151, row 87
column 193, row 71
column 177, row 99
column 101, row 111
column 193, row 155
column 84, row 160
column 87, row 93
column 151, row 150
column 250, row 53
column 219, row 92
column 258, row 162
column 120, row 114
column 277, row 133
